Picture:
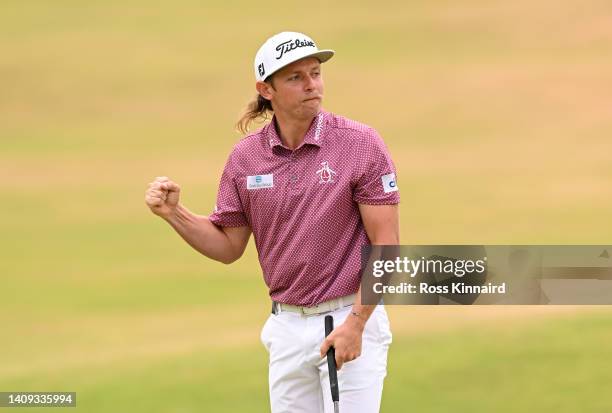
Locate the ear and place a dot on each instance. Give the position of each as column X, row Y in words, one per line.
column 264, row 89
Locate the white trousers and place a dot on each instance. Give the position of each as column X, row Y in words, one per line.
column 298, row 376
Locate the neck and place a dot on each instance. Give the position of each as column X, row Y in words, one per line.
column 292, row 131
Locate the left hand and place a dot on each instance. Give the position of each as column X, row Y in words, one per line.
column 346, row 339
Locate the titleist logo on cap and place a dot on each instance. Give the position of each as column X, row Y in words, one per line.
column 290, row 45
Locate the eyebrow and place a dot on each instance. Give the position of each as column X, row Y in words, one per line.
column 312, row 68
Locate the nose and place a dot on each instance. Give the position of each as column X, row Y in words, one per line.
column 309, row 83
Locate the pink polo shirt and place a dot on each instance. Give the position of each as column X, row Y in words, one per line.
column 302, row 205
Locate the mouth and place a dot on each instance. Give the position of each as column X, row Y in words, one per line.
column 311, row 99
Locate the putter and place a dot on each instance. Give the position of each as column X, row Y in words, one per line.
column 331, row 365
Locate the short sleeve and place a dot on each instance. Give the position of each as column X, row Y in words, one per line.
column 229, row 211
column 376, row 179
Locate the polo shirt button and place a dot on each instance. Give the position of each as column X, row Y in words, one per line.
column 294, row 178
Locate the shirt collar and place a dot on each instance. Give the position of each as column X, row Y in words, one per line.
column 314, row 135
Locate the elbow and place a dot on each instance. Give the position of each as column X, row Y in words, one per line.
column 230, row 258
column 233, row 247
column 223, row 258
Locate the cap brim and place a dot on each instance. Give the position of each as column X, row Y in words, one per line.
column 322, row 55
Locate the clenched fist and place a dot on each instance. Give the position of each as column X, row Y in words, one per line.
column 162, row 196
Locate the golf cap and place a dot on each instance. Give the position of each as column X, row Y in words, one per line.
column 285, row 48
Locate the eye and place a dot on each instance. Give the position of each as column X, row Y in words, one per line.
column 294, row 77
column 316, row 74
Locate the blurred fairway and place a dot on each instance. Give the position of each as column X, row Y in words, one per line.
column 497, row 114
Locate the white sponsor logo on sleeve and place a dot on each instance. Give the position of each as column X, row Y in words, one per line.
column 389, row 184
column 260, row 181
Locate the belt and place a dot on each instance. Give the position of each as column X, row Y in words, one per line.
column 324, row 307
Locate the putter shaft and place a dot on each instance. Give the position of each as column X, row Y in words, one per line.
column 331, row 365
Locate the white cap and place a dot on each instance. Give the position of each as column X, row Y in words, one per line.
column 285, row 48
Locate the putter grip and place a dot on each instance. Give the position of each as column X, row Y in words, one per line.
column 331, row 361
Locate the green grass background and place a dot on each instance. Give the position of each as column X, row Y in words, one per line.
column 497, row 115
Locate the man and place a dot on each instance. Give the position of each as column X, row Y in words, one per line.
column 313, row 187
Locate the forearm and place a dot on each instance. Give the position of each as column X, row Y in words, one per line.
column 360, row 313
column 204, row 236
column 381, row 223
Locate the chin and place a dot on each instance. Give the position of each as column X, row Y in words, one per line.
column 311, row 111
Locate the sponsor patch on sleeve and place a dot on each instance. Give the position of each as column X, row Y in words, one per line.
column 389, row 183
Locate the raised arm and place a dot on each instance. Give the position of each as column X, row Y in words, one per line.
column 224, row 244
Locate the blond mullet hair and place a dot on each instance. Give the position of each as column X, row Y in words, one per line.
column 258, row 108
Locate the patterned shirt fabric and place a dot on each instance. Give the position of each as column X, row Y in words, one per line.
column 302, row 205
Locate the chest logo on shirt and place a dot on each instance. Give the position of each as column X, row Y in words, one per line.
column 260, row 181
column 326, row 174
